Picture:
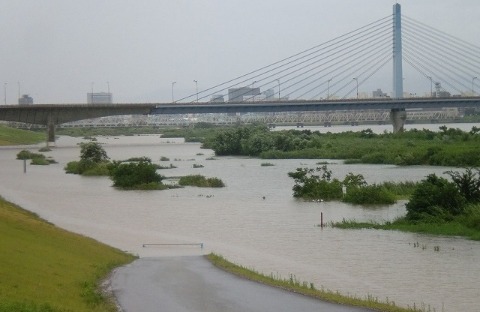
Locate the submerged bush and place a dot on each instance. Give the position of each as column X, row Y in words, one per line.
column 133, row 174
column 435, row 198
column 37, row 159
column 200, row 181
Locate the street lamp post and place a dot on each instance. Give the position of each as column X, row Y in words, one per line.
column 196, row 88
column 91, row 94
column 173, row 83
column 279, row 97
column 473, row 90
column 5, row 92
column 328, row 88
column 431, row 85
column 356, row 80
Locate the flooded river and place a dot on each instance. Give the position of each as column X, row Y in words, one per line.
column 254, row 221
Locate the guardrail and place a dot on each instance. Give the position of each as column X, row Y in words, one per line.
column 190, row 244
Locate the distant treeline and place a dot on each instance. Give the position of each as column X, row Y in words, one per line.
column 447, row 147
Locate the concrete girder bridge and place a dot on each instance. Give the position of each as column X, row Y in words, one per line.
column 51, row 115
column 319, row 79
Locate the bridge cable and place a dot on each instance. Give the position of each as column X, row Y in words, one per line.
column 346, row 36
column 337, row 58
column 350, row 43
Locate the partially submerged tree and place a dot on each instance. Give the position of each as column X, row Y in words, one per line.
column 468, row 183
column 93, row 160
column 316, row 184
column 92, row 152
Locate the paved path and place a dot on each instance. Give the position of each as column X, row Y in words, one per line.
column 192, row 283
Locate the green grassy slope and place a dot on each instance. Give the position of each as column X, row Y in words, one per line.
column 11, row 136
column 45, row 268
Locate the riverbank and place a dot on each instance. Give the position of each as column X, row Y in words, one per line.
column 12, row 136
column 45, row 268
column 272, row 234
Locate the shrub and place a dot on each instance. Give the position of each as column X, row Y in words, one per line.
column 171, row 166
column 72, row 167
column 100, row 169
column 435, row 197
column 200, row 181
column 131, row 175
column 42, row 161
column 37, row 159
column 24, row 154
column 45, row 149
column 143, row 158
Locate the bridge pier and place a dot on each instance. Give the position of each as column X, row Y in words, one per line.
column 50, row 131
column 398, row 117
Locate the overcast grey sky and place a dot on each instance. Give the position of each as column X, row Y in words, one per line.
column 55, row 49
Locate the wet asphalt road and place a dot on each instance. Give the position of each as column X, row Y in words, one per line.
column 192, row 283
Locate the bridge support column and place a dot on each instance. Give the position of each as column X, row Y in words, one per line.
column 398, row 117
column 50, row 131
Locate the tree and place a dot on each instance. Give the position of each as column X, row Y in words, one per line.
column 354, row 180
column 92, row 152
column 308, row 184
column 93, row 160
column 468, row 183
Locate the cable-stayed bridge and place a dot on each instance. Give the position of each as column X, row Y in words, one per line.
column 325, row 78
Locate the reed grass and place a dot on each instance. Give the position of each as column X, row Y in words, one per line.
column 456, row 227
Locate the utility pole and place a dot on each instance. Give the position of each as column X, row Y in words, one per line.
column 356, row 79
column 279, row 97
column 328, row 88
column 431, row 85
column 196, row 88
column 173, row 99
column 5, row 92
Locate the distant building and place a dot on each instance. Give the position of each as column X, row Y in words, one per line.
column 379, row 94
column 238, row 94
column 269, row 95
column 99, row 98
column 25, row 100
column 217, row 98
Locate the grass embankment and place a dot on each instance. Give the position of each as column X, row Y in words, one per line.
column 45, row 268
column 304, row 288
column 194, row 133
column 11, row 136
